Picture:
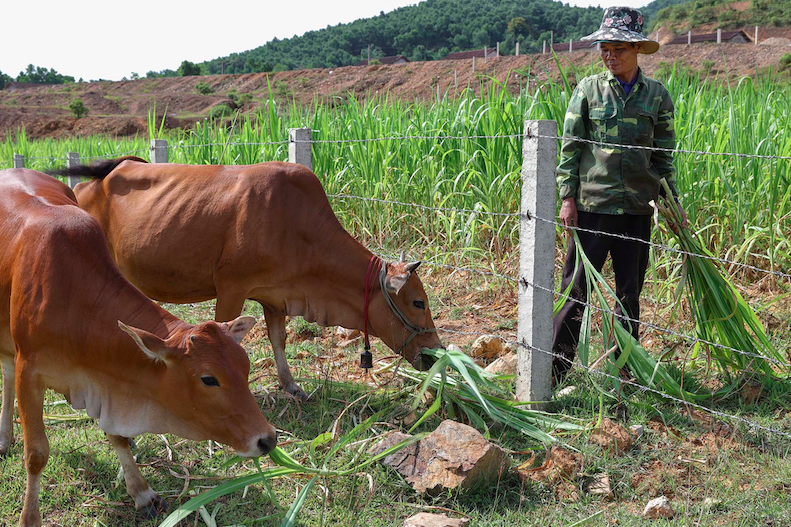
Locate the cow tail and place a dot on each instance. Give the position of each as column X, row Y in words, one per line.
column 98, row 170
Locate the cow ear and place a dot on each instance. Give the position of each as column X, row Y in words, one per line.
column 153, row 346
column 240, row 326
column 412, row 267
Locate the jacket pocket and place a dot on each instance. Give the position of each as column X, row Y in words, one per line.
column 646, row 122
column 603, row 119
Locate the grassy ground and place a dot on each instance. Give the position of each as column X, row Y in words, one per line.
column 683, row 455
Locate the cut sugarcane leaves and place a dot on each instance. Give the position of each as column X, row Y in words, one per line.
column 739, row 343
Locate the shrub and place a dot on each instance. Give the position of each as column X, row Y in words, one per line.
column 785, row 61
column 220, row 111
column 77, row 108
column 239, row 99
column 203, row 88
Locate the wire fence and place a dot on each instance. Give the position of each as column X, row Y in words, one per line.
column 513, row 280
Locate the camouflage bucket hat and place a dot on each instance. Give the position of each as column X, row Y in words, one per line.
column 623, row 24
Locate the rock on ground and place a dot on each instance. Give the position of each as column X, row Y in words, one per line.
column 600, row 486
column 658, row 508
column 487, row 347
column 454, row 455
column 427, row 519
column 505, row 365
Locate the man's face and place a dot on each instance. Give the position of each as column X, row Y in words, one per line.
column 621, row 58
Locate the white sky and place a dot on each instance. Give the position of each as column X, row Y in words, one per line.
column 109, row 39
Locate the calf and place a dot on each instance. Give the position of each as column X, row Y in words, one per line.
column 71, row 322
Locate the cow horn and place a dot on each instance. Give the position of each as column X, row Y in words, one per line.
column 403, row 257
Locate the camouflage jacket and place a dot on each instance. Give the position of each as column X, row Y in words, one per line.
column 608, row 179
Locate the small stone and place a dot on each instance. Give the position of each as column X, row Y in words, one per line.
column 658, row 508
column 487, row 347
column 600, row 486
column 503, row 366
column 568, row 390
column 427, row 519
column 637, row 431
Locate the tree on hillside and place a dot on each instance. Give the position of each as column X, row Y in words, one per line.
column 188, row 69
column 517, row 27
column 38, row 75
column 4, row 79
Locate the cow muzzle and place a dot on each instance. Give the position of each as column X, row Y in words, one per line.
column 261, row 446
column 424, row 361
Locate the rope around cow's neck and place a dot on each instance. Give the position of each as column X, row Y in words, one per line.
column 366, row 359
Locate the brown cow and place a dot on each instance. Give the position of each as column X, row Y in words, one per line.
column 63, row 325
column 263, row 232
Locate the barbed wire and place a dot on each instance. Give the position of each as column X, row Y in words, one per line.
column 388, row 256
column 558, row 224
column 266, row 143
column 650, row 325
column 689, row 338
column 425, row 207
column 664, row 247
column 639, row 386
column 119, row 154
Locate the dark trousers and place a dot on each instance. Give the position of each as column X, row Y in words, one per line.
column 629, row 262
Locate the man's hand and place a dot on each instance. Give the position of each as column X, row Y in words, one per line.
column 684, row 221
column 568, row 213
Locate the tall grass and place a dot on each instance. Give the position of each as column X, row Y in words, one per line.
column 743, row 205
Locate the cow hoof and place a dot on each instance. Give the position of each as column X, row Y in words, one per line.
column 294, row 390
column 155, row 508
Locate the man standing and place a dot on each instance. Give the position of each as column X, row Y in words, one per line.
column 606, row 187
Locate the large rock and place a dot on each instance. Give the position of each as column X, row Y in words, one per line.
column 427, row 519
column 452, row 456
column 505, row 365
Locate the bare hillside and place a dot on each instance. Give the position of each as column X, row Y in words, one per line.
column 121, row 108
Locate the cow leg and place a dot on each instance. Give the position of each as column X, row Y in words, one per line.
column 276, row 327
column 30, row 395
column 7, row 410
column 229, row 305
column 138, row 488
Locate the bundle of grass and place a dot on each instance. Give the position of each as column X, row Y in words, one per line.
column 646, row 369
column 462, row 385
column 722, row 317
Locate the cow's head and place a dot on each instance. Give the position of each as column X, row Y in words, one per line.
column 205, row 384
column 406, row 290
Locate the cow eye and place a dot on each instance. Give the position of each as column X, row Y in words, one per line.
column 208, row 380
column 419, row 304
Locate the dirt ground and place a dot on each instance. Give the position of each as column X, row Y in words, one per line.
column 121, row 108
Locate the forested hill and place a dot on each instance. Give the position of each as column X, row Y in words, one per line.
column 426, row 31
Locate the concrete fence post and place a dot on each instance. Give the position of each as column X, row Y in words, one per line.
column 473, row 65
column 536, row 261
column 19, row 161
column 498, row 49
column 455, row 80
column 544, row 48
column 689, row 38
column 719, row 36
column 756, row 34
column 517, row 49
column 485, row 54
column 159, row 151
column 299, row 150
column 570, row 45
column 73, row 160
